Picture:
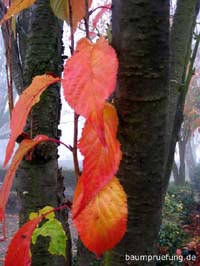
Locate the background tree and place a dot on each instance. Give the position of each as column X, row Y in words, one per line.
column 150, row 115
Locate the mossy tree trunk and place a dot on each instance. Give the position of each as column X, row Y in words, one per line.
column 141, row 39
column 37, row 180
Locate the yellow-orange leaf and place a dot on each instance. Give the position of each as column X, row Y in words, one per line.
column 22, row 108
column 90, row 76
column 100, row 162
column 25, row 146
column 16, row 7
column 102, row 224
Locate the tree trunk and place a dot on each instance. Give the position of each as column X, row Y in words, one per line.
column 181, row 175
column 191, row 163
column 38, row 179
column 175, row 171
column 180, row 40
column 141, row 37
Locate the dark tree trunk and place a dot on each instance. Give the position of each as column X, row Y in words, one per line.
column 141, row 39
column 38, row 179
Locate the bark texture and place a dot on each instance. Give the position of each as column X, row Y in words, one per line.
column 37, row 180
column 141, row 39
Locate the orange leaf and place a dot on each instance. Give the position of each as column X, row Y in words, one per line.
column 102, row 224
column 90, row 76
column 18, row 253
column 78, row 10
column 25, row 146
column 16, row 7
column 22, row 108
column 100, row 162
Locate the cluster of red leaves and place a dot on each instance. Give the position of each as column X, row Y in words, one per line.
column 99, row 205
column 98, row 198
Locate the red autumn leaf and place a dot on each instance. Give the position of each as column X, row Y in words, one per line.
column 18, row 253
column 16, row 7
column 102, row 224
column 100, row 162
column 25, row 146
column 90, row 76
column 22, row 108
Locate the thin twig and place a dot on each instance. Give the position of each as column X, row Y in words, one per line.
column 191, row 69
column 93, row 10
column 86, row 19
column 75, row 155
column 71, row 27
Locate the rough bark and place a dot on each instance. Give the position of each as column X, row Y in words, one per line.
column 37, row 180
column 140, row 37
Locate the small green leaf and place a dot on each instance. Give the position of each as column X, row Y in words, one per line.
column 44, row 210
column 60, row 9
column 52, row 228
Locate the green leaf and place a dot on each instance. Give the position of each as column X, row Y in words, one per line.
column 60, row 9
column 43, row 211
column 52, row 228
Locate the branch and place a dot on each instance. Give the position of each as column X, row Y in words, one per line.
column 16, row 65
column 93, row 10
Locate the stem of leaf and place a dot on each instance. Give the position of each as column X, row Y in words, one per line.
column 107, row 258
column 60, row 142
column 67, row 205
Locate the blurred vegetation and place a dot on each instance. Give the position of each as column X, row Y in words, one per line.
column 179, row 202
